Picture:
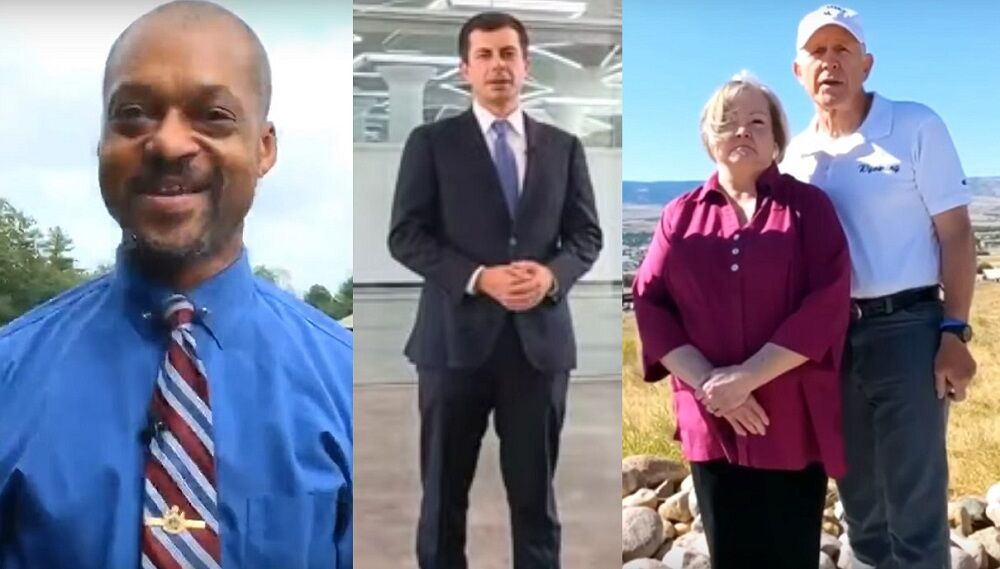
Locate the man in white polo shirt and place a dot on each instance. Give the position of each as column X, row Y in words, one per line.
column 894, row 176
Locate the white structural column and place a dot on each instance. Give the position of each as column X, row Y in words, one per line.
column 406, row 97
column 361, row 107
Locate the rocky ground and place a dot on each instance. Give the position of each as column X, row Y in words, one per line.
column 661, row 524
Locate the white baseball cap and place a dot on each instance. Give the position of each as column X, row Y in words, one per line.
column 829, row 14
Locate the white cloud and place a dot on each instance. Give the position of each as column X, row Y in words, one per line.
column 51, row 60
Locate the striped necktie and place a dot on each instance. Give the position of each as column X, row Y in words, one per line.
column 180, row 512
column 503, row 158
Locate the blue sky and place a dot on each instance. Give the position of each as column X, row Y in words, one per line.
column 678, row 52
column 51, row 62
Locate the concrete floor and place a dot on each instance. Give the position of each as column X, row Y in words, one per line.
column 387, row 491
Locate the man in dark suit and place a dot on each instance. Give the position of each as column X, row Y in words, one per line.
column 496, row 212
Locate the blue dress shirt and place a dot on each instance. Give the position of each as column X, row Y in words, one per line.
column 76, row 380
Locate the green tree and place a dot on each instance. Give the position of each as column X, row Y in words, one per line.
column 335, row 306
column 101, row 270
column 277, row 276
column 33, row 268
column 268, row 274
column 318, row 296
column 56, row 247
column 344, row 300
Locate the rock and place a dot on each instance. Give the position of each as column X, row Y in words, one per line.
column 643, row 498
column 663, row 548
column 642, row 533
column 697, row 525
column 825, row 562
column 678, row 558
column 694, row 542
column 630, row 482
column 993, row 494
column 838, row 510
column 688, row 483
column 665, row 490
column 962, row 560
column 971, row 547
column 829, row 545
column 993, row 513
column 682, row 528
column 644, row 564
column 693, row 504
column 832, row 494
column 669, row 532
column 833, row 523
column 676, row 508
column 976, row 507
column 959, row 518
column 829, row 513
column 989, row 538
column 652, row 470
column 846, row 559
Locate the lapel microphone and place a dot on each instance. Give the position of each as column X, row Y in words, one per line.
column 154, row 425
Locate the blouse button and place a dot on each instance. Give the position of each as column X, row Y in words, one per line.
column 736, row 250
column 736, row 237
column 734, row 268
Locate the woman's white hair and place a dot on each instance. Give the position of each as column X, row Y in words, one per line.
column 714, row 112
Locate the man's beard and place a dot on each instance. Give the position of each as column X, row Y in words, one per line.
column 163, row 262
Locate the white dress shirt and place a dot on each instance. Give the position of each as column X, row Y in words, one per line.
column 515, row 137
column 518, row 143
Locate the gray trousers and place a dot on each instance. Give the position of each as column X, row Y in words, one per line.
column 895, row 494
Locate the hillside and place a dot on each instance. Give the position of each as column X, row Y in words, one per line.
column 654, row 193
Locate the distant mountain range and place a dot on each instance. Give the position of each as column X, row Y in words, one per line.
column 659, row 193
column 654, row 193
column 989, row 186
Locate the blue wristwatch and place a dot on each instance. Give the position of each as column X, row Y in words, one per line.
column 957, row 327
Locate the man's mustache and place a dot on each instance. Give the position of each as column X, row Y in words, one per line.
column 180, row 178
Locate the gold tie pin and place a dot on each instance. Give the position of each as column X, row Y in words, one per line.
column 174, row 522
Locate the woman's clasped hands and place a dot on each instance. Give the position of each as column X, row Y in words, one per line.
column 727, row 392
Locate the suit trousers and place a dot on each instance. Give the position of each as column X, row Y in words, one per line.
column 528, row 408
column 895, row 493
column 760, row 518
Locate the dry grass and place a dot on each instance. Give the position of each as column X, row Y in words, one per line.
column 647, row 409
column 974, row 426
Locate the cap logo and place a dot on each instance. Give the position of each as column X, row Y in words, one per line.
column 833, row 10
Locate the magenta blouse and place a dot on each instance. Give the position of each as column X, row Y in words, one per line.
column 728, row 290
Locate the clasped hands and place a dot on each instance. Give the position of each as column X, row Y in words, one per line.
column 727, row 392
column 519, row 286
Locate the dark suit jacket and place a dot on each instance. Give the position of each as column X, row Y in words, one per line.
column 449, row 217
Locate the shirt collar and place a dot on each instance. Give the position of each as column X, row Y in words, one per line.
column 711, row 189
column 220, row 302
column 485, row 119
column 877, row 124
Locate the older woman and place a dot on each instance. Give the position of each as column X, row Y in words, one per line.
column 743, row 298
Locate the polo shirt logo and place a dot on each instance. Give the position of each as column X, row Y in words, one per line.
column 868, row 168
